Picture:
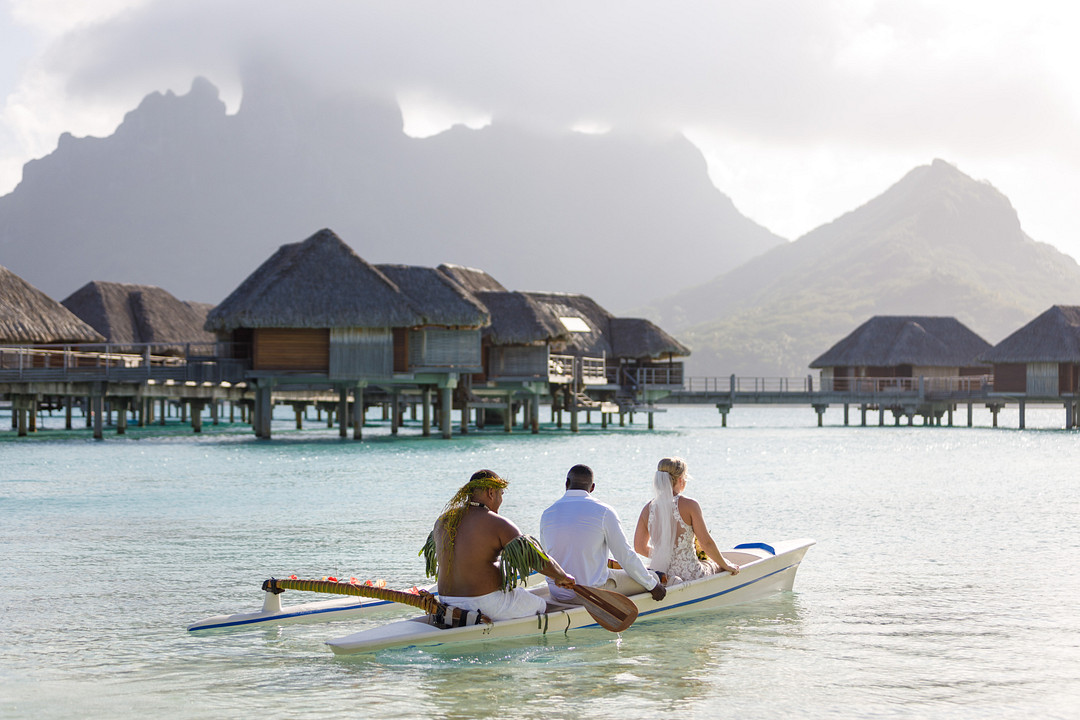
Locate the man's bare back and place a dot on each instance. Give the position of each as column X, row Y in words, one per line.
column 472, row 567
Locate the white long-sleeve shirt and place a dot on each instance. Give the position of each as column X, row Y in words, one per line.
column 579, row 531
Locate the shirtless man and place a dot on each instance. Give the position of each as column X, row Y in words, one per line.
column 469, row 537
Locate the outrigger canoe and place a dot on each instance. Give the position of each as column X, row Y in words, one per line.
column 764, row 570
column 273, row 613
column 339, row 608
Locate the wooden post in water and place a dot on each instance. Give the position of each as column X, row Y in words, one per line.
column 214, row 411
column 573, row 414
column 846, row 406
column 98, row 409
column 358, row 413
column 18, row 407
column 534, row 414
column 426, row 395
column 1023, row 408
column 603, row 420
column 508, row 414
column 862, row 414
column 881, row 416
column 343, row 411
column 121, row 415
column 651, row 426
column 445, row 402
column 196, row 415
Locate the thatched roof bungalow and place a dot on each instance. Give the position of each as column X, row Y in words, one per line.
column 518, row 339
column 642, row 340
column 453, row 317
column 29, row 316
column 586, row 323
column 904, row 346
column 128, row 315
column 316, row 307
column 1042, row 358
column 472, row 279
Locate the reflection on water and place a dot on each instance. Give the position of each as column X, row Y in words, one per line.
column 587, row 673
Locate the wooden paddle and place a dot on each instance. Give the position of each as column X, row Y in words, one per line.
column 611, row 610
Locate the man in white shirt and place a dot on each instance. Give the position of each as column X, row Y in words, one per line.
column 578, row 531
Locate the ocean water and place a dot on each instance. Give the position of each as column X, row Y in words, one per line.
column 943, row 583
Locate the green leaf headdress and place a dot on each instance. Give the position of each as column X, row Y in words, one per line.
column 455, row 511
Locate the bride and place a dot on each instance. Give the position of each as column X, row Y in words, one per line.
column 670, row 523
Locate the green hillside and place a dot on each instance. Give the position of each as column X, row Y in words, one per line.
column 936, row 243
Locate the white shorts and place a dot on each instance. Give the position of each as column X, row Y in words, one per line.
column 500, row 605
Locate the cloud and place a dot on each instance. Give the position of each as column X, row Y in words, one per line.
column 821, row 92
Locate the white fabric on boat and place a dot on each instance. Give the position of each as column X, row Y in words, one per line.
column 499, row 605
column 663, row 510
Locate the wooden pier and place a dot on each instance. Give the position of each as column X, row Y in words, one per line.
column 933, row 399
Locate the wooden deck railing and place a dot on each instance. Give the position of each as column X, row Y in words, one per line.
column 973, row 384
column 120, row 362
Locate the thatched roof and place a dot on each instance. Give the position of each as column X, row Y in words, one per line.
column 639, row 339
column 317, row 283
column 126, row 313
column 889, row 341
column 517, row 319
column 439, row 298
column 472, row 279
column 568, row 310
column 1054, row 336
column 28, row 315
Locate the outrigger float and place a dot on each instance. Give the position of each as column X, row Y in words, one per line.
column 274, row 613
column 765, row 569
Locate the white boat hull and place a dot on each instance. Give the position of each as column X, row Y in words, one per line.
column 762, row 574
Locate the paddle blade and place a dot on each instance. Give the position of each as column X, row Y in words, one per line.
column 611, row 610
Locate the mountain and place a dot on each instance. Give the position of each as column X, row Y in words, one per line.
column 186, row 197
column 935, row 243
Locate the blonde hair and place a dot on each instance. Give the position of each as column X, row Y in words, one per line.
column 673, row 466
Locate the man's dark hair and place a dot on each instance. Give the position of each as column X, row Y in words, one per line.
column 580, row 477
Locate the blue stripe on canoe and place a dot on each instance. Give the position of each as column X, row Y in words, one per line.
column 706, row 597
column 285, row 616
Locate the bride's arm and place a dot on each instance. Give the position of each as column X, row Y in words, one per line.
column 701, row 532
column 641, row 534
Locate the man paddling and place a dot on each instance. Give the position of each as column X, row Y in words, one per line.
column 579, row 532
column 465, row 544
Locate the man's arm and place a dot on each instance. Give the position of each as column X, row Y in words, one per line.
column 628, row 559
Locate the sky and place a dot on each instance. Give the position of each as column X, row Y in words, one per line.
column 802, row 110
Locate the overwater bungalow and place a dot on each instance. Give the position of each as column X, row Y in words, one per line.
column 646, row 355
column 136, row 317
column 35, row 332
column 30, row 317
column 898, row 351
column 1041, row 360
column 315, row 314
